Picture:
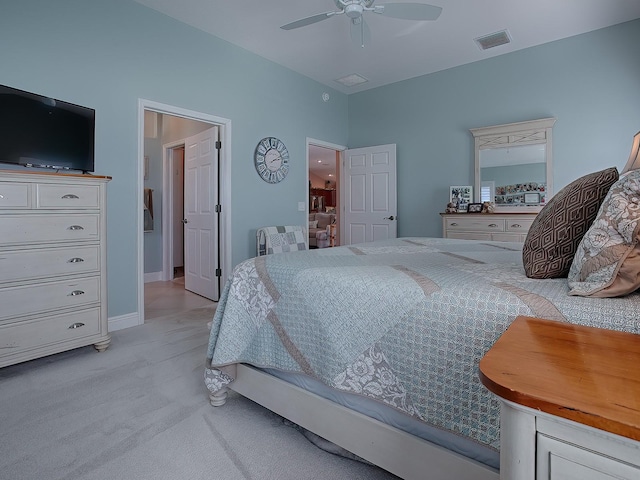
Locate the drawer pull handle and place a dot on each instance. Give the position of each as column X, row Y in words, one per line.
column 75, row 293
column 515, row 225
column 454, row 224
column 73, row 326
column 75, row 260
column 493, row 225
column 76, row 227
column 69, row 196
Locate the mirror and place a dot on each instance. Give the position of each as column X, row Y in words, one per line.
column 513, row 165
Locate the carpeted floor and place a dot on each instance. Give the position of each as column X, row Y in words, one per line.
column 140, row 411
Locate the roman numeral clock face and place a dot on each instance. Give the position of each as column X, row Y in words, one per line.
column 272, row 160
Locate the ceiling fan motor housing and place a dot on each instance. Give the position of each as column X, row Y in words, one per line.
column 353, row 8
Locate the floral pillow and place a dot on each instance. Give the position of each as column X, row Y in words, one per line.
column 607, row 261
column 313, row 224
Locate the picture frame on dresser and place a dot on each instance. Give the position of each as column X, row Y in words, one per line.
column 474, row 208
column 461, row 196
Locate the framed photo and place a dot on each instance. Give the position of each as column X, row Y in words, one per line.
column 474, row 208
column 532, row 198
column 461, row 196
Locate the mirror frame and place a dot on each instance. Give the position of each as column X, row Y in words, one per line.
column 510, row 135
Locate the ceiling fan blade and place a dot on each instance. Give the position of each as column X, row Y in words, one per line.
column 360, row 33
column 303, row 22
column 409, row 11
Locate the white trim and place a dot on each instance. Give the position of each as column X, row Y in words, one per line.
column 125, row 321
column 153, row 277
column 167, row 208
column 225, row 186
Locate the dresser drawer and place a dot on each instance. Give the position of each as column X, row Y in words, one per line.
column 559, row 460
column 46, row 296
column 14, row 195
column 46, row 331
column 475, row 223
column 29, row 229
column 518, row 225
column 68, row 196
column 41, row 263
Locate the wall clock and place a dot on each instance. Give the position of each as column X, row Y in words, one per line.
column 272, row 160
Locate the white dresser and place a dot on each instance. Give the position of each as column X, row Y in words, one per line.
column 499, row 227
column 53, row 288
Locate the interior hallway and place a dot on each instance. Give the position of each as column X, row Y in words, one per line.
column 167, row 298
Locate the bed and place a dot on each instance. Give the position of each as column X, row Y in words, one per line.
column 375, row 347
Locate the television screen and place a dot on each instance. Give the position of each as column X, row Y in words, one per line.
column 40, row 131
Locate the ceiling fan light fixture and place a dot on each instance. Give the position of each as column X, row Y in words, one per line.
column 493, row 40
column 351, row 80
column 354, row 10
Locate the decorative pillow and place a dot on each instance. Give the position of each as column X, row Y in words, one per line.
column 607, row 262
column 557, row 230
column 313, row 224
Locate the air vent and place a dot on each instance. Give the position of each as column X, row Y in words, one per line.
column 352, row 80
column 493, row 40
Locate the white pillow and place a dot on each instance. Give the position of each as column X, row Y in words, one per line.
column 313, row 224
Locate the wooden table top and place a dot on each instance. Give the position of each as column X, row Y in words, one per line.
column 588, row 375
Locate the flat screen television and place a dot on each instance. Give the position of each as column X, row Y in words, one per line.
column 38, row 131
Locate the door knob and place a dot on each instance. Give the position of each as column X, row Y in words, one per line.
column 390, row 218
column 185, row 221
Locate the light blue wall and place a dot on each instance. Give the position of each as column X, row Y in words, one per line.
column 108, row 54
column 590, row 83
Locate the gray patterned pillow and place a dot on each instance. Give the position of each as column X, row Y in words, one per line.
column 607, row 262
column 557, row 230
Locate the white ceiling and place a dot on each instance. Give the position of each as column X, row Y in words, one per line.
column 322, row 162
column 399, row 49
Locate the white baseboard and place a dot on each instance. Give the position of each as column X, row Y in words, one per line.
column 153, row 277
column 124, row 321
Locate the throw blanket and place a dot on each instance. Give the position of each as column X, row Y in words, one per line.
column 403, row 321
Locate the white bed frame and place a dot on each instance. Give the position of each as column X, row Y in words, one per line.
column 398, row 452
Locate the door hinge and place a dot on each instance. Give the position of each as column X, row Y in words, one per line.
column 218, row 208
column 218, row 144
column 218, row 272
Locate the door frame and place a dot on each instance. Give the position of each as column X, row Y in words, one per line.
column 225, row 186
column 167, row 208
column 337, row 148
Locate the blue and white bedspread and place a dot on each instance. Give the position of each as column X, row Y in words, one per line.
column 404, row 322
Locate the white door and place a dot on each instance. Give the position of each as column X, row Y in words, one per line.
column 370, row 196
column 200, row 217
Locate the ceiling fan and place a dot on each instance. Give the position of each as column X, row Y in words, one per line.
column 355, row 8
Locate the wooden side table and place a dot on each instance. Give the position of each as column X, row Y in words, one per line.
column 570, row 401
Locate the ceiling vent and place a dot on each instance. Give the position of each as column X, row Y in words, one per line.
column 493, row 40
column 352, row 80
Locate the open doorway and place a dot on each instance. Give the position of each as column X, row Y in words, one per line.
column 168, row 138
column 324, row 195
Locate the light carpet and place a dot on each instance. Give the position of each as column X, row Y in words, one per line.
column 140, row 410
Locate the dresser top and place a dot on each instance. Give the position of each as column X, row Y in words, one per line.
column 28, row 172
column 588, row 375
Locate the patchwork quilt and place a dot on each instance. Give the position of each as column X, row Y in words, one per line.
column 404, row 322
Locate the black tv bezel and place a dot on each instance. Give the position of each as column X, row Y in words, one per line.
column 82, row 110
